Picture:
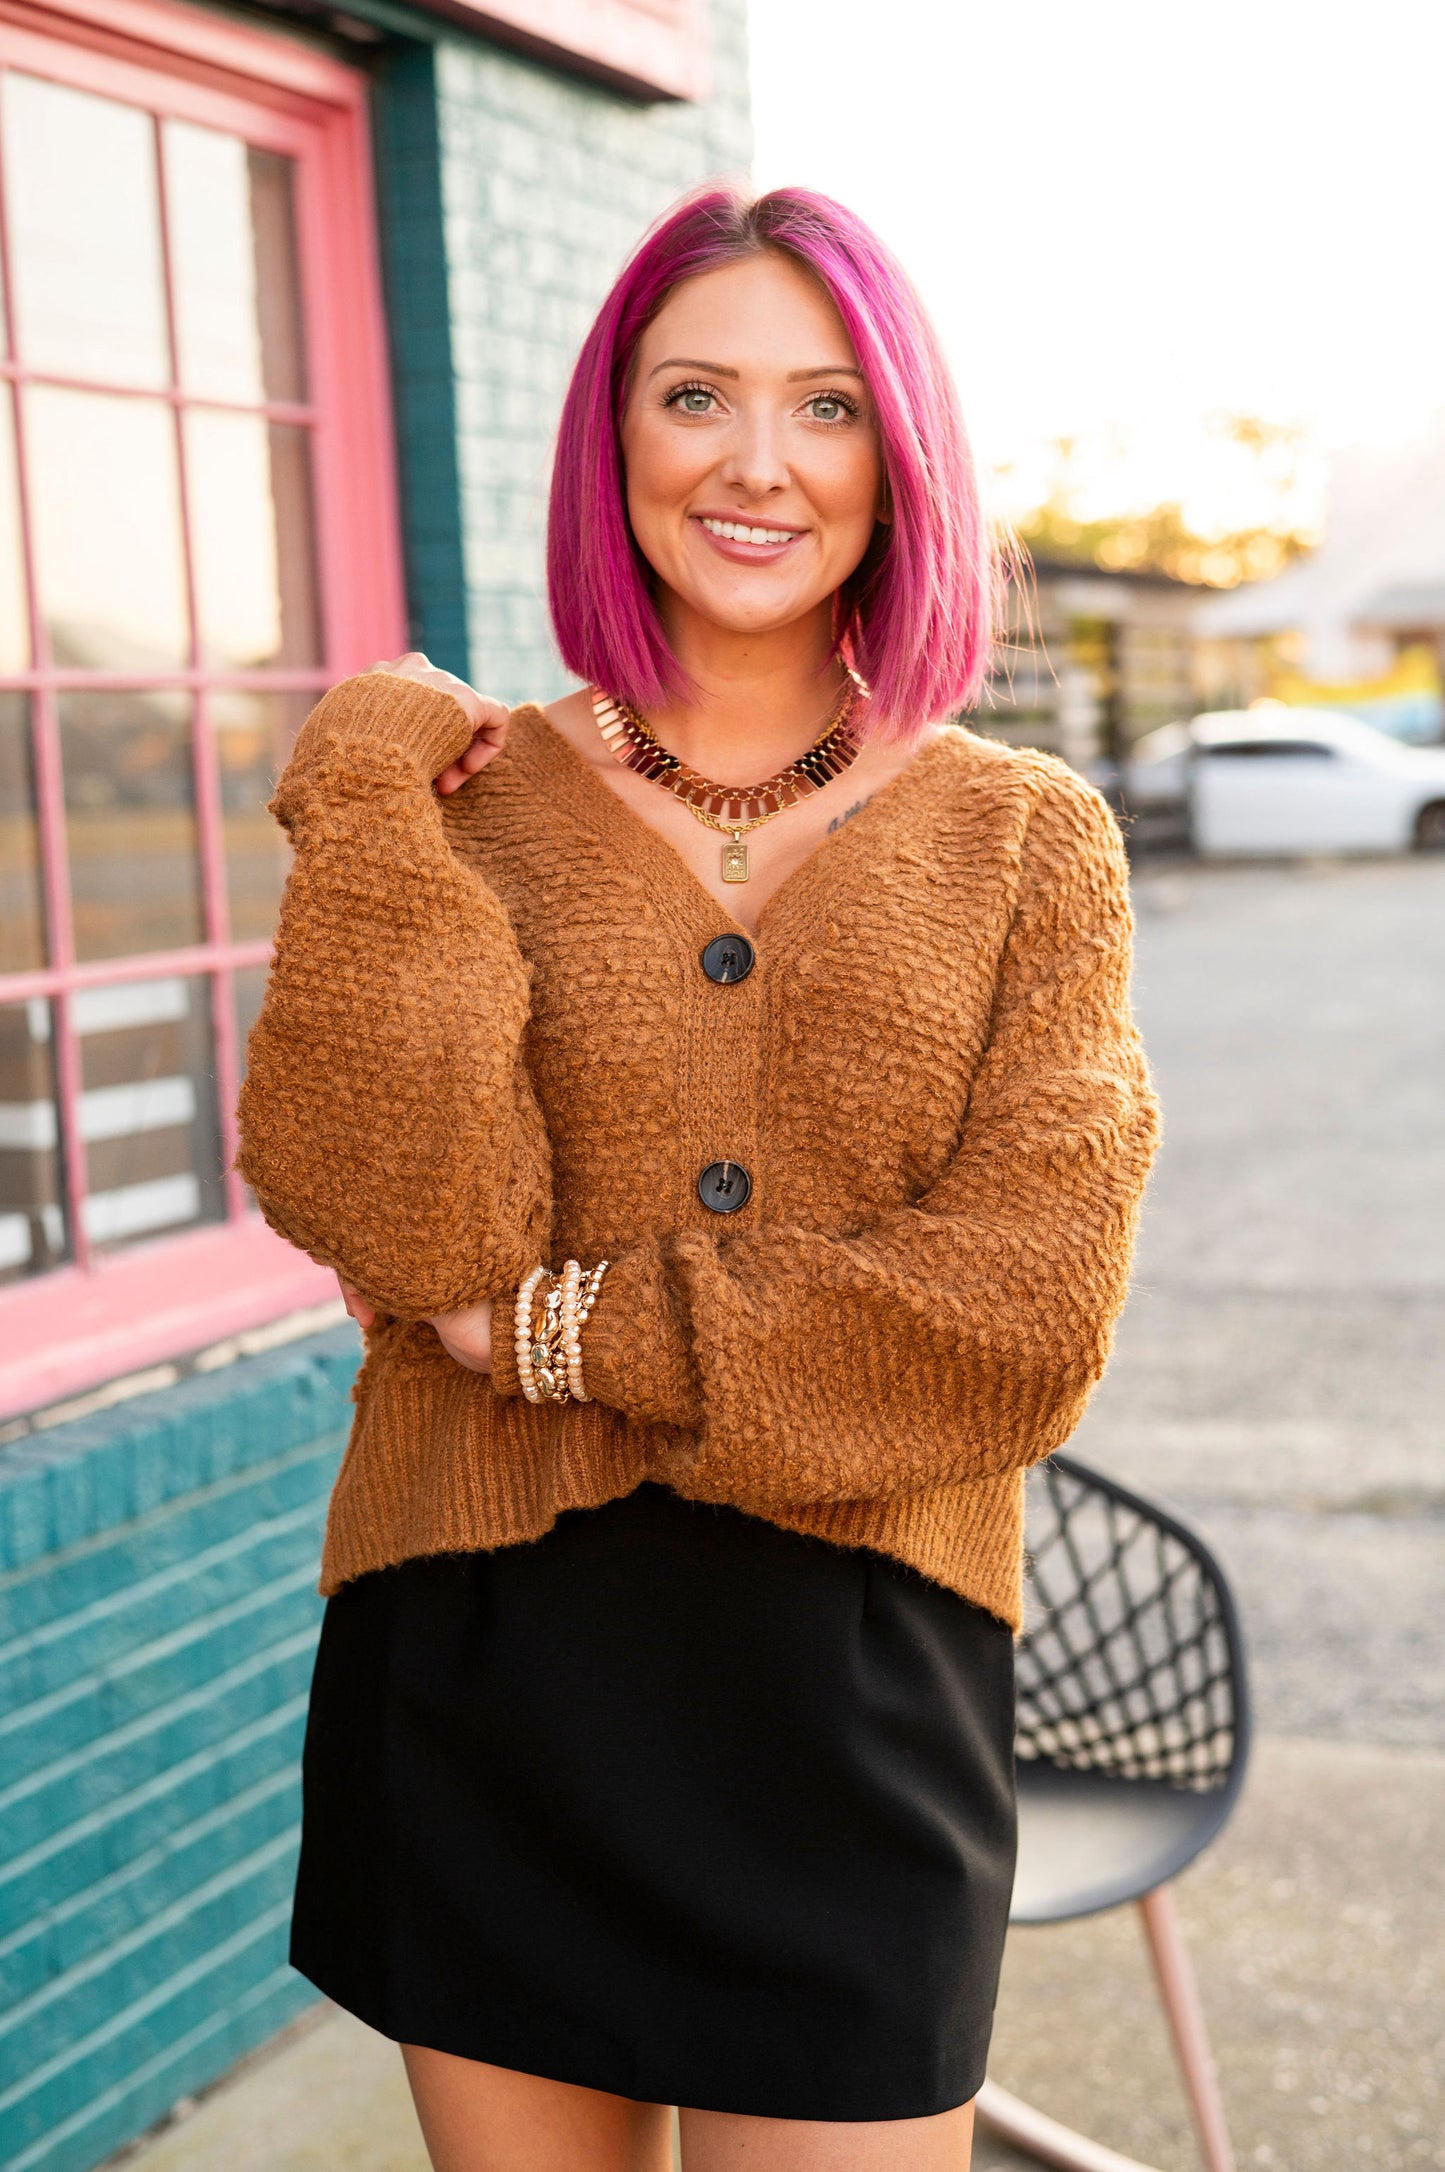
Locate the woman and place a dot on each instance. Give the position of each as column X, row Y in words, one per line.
column 736, row 1188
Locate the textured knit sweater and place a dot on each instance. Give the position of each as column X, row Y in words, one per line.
column 488, row 1040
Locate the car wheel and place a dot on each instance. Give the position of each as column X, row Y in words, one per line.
column 1430, row 827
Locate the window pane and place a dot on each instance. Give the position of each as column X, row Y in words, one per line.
column 22, row 918
column 250, row 494
column 254, row 735
column 130, row 822
column 250, row 990
column 14, row 615
column 107, row 530
column 148, row 1108
column 233, row 255
column 250, row 993
column 84, row 234
column 32, row 1219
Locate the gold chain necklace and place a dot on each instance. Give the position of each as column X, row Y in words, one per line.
column 733, row 808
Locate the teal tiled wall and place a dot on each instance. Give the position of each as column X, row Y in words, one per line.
column 158, row 1620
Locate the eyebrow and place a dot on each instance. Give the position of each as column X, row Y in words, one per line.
column 795, row 377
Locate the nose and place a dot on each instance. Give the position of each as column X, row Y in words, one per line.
column 754, row 464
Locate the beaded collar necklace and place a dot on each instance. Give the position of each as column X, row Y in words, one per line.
column 733, row 808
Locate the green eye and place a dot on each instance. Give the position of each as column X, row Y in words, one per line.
column 831, row 407
column 690, row 399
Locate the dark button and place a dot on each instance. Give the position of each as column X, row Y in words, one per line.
column 724, row 1186
column 728, row 957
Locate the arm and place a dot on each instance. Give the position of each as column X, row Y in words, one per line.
column 388, row 1125
column 955, row 1338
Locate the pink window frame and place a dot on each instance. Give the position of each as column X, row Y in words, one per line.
column 102, row 1315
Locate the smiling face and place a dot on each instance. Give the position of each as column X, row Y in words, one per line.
column 754, row 472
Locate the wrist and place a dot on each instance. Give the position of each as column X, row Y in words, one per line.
column 549, row 1315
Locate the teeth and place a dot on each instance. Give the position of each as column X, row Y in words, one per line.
column 734, row 532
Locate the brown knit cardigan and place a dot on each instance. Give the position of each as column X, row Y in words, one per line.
column 488, row 1040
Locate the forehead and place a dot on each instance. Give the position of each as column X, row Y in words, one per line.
column 764, row 313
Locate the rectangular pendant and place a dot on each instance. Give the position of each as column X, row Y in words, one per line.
column 735, row 862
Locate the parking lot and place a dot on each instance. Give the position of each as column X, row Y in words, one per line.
column 1280, row 1370
column 1279, row 1381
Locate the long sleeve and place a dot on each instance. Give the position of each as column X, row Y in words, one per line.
column 956, row 1337
column 388, row 1123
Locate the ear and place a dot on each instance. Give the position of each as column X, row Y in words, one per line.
column 883, row 512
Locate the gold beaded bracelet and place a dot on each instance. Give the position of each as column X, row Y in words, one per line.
column 549, row 1351
column 578, row 1298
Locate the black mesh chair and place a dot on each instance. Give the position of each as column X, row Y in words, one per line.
column 1131, row 1743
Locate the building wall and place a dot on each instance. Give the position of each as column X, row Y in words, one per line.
column 158, row 1620
column 499, row 245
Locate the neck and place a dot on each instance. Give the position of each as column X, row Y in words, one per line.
column 760, row 699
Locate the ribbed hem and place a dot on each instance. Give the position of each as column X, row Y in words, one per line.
column 438, row 1463
column 967, row 1538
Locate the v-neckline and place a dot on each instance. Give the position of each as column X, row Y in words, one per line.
column 588, row 787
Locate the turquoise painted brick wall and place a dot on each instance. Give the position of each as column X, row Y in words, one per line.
column 158, row 1621
column 511, row 195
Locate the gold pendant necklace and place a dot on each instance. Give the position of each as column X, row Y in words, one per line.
column 733, row 808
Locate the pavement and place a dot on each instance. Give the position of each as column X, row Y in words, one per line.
column 1279, row 1381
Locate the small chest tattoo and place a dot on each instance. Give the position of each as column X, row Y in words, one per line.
column 848, row 813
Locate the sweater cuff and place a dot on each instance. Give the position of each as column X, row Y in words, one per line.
column 635, row 1349
column 504, row 1347
column 381, row 708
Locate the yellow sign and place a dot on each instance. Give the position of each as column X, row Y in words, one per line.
column 1405, row 701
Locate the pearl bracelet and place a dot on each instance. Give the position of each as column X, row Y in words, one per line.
column 522, row 1335
column 549, row 1356
column 577, row 1302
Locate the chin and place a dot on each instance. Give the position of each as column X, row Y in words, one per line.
column 747, row 614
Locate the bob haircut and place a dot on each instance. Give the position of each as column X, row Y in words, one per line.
column 913, row 617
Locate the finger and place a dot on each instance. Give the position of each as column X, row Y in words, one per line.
column 408, row 665
column 479, row 753
column 492, row 716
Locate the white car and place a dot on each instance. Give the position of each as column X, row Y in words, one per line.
column 1281, row 780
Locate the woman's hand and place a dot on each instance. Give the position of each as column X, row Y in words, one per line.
column 466, row 1336
column 365, row 1315
column 488, row 719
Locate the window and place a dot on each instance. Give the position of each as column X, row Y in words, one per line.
column 196, row 536
column 1272, row 750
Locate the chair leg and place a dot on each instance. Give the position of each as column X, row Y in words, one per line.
column 1043, row 2138
column 1180, row 1994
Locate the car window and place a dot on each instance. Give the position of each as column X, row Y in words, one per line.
column 1270, row 750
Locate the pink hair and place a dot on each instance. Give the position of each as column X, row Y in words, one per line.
column 914, row 616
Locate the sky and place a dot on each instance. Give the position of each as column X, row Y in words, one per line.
column 1131, row 217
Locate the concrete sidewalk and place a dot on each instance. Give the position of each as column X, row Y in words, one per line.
column 1316, row 1926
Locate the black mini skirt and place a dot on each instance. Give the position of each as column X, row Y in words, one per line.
column 670, row 1803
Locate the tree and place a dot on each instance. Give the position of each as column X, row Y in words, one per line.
column 1273, row 460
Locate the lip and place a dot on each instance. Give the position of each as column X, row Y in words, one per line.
column 745, row 554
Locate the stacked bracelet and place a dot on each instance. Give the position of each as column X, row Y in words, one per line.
column 578, row 1298
column 523, row 1335
column 549, row 1351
